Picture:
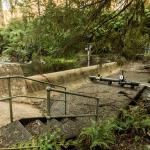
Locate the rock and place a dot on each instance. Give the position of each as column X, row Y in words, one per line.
column 69, row 128
column 36, row 128
column 13, row 133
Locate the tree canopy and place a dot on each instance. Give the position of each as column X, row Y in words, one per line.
column 49, row 29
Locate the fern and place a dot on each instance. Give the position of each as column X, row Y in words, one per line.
column 101, row 135
column 145, row 122
column 136, row 119
column 53, row 141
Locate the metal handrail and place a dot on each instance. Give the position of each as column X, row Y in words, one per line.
column 33, row 97
column 49, row 99
column 10, row 97
column 71, row 116
column 50, row 89
column 21, row 148
column 71, row 93
column 27, row 78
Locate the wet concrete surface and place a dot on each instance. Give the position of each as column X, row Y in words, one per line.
column 19, row 111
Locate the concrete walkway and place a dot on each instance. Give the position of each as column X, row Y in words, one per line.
column 19, row 110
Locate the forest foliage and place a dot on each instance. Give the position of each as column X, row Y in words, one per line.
column 65, row 30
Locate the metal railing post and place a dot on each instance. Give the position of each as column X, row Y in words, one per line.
column 10, row 100
column 48, row 104
column 65, row 103
column 97, row 105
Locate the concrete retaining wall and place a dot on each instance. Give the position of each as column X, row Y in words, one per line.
column 69, row 76
column 17, row 85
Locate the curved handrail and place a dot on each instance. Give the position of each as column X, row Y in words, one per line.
column 32, row 97
column 71, row 93
column 10, row 96
column 27, row 78
column 49, row 89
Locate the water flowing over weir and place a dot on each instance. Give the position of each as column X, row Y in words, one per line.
column 18, row 86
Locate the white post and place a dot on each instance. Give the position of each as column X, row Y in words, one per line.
column 88, row 49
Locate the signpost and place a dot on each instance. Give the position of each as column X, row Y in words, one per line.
column 88, row 49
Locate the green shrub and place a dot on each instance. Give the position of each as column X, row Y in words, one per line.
column 50, row 141
column 98, row 135
column 121, row 60
column 135, row 43
column 16, row 40
column 47, row 65
column 136, row 118
column 58, row 64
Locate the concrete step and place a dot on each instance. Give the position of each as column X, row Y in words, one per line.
column 13, row 133
column 36, row 128
column 25, row 129
column 68, row 127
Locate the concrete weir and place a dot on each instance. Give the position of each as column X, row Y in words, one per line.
column 20, row 86
column 69, row 77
